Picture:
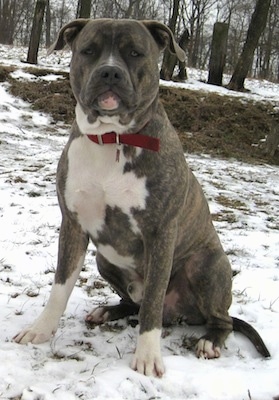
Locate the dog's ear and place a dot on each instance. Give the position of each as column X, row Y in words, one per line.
column 67, row 34
column 164, row 37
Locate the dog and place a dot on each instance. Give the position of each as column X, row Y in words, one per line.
column 123, row 182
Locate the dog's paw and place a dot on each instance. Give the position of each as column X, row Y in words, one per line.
column 30, row 335
column 147, row 358
column 150, row 365
column 98, row 316
column 41, row 331
column 206, row 349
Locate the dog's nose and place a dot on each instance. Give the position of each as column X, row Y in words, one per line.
column 111, row 75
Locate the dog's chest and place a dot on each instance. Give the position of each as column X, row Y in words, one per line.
column 96, row 181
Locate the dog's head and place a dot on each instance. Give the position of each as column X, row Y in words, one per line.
column 114, row 69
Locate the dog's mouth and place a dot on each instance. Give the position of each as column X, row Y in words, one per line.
column 108, row 101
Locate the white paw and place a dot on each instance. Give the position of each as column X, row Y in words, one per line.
column 147, row 358
column 41, row 331
column 205, row 349
column 97, row 316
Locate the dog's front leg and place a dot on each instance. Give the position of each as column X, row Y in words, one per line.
column 158, row 257
column 72, row 247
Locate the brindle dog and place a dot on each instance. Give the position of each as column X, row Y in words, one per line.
column 123, row 182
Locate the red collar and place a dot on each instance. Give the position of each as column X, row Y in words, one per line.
column 131, row 139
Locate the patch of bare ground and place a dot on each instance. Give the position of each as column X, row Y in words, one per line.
column 219, row 125
column 222, row 126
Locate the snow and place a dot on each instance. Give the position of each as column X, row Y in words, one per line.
column 257, row 90
column 83, row 363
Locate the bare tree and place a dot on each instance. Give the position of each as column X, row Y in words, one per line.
column 196, row 14
column 7, row 18
column 48, row 24
column 138, row 9
column 36, row 31
column 256, row 27
column 84, row 9
column 60, row 13
column 218, row 53
column 238, row 28
column 272, row 140
column 183, row 43
column 24, row 15
column 268, row 48
column 170, row 59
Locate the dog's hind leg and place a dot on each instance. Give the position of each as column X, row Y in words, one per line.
column 214, row 304
column 103, row 314
column 209, row 345
column 209, row 276
column 121, row 282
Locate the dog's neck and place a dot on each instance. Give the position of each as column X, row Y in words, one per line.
column 131, row 139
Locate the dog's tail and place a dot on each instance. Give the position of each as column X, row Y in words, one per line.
column 246, row 329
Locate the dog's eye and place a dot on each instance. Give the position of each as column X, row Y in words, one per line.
column 134, row 53
column 91, row 50
column 88, row 52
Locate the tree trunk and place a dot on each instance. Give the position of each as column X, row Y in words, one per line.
column 84, row 9
column 256, row 27
column 36, row 31
column 268, row 41
column 218, row 53
column 183, row 43
column 169, row 59
column 272, row 140
column 7, row 21
column 48, row 25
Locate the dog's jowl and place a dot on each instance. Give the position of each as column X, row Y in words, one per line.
column 123, row 182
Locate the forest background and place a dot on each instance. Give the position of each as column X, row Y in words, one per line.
column 196, row 17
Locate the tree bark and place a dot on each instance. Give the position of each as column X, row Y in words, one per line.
column 7, row 21
column 272, row 140
column 48, row 24
column 84, row 9
column 183, row 43
column 256, row 27
column 218, row 53
column 169, row 59
column 36, row 31
column 267, row 45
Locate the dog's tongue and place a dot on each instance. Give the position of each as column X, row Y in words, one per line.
column 108, row 101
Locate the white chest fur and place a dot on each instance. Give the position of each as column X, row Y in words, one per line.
column 95, row 180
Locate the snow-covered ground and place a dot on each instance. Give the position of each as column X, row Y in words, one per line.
column 80, row 363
